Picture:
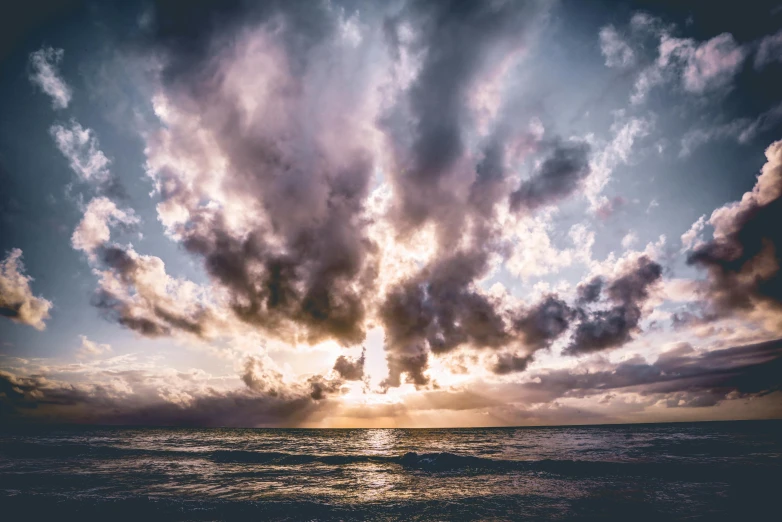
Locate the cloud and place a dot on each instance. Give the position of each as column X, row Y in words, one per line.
column 144, row 398
column 709, row 65
column 510, row 363
column 273, row 206
column 612, row 327
column 17, row 301
column 617, row 151
column 532, row 252
column 45, row 75
column 441, row 309
column 680, row 377
column 433, row 166
column 558, row 176
column 769, row 50
column 742, row 130
column 80, row 148
column 616, row 51
column 629, row 240
column 277, row 209
column 91, row 348
column 742, row 259
column 544, row 322
column 690, row 237
column 350, row 369
column 699, row 67
column 93, row 231
column 137, row 292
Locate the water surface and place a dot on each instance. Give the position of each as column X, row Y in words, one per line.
column 693, row 471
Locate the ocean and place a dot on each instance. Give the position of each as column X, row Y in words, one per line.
column 684, row 471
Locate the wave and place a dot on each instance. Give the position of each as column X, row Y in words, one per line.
column 451, row 462
column 419, row 462
column 64, row 451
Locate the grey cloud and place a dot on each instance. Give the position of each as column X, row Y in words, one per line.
column 616, row 51
column 351, row 369
column 602, row 329
column 266, row 400
column 769, row 50
column 438, row 180
column 681, row 376
column 559, row 175
column 320, row 387
column 743, row 259
column 304, row 268
column 510, row 363
column 439, row 310
column 589, row 292
column 429, row 124
column 543, row 323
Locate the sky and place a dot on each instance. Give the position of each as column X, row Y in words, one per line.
column 390, row 214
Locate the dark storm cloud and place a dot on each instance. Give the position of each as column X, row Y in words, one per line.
column 351, row 369
column 681, row 376
column 743, row 260
column 610, row 328
column 560, row 174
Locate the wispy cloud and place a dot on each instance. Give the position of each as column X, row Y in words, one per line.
column 80, row 147
column 45, row 74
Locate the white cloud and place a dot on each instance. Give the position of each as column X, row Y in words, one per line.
column 46, row 76
column 712, row 64
column 91, row 348
column 80, row 146
column 138, row 293
column 700, row 67
column 533, row 254
column 617, row 52
column 630, row 239
column 93, row 230
column 17, row 301
column 767, row 188
column 614, row 153
column 689, row 238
